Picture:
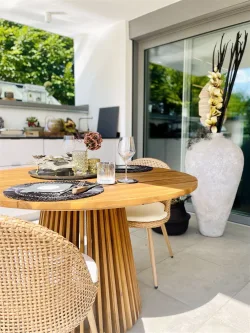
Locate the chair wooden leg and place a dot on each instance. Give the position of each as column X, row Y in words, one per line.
column 152, row 256
column 92, row 322
column 165, row 234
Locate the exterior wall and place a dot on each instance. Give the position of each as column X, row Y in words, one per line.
column 103, row 73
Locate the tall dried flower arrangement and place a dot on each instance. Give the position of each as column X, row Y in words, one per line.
column 219, row 91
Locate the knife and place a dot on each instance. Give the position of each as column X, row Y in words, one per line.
column 81, row 189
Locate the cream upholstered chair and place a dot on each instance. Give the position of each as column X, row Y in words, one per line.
column 151, row 215
column 45, row 283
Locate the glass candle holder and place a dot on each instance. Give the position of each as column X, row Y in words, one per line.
column 80, row 162
column 93, row 165
column 106, row 173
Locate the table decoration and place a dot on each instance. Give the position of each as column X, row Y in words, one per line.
column 215, row 160
column 92, row 163
column 92, row 141
column 80, row 162
column 20, row 192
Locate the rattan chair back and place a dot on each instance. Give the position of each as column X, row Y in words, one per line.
column 152, row 162
column 45, row 284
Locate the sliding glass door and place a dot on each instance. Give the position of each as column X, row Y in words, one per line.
column 175, row 75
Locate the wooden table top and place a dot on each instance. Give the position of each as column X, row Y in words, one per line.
column 156, row 185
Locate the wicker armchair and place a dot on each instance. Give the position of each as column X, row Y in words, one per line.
column 151, row 215
column 45, row 283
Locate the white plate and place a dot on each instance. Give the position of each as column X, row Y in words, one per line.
column 41, row 188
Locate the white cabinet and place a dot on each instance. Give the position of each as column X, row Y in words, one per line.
column 19, row 151
column 53, row 147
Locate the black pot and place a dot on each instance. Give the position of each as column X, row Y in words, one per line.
column 178, row 222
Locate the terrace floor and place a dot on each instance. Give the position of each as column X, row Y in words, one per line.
column 205, row 288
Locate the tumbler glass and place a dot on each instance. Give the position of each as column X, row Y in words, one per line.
column 106, row 173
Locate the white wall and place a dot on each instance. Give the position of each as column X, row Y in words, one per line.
column 103, row 73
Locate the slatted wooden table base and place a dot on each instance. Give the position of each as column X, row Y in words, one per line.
column 117, row 305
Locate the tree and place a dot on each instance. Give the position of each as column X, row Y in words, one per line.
column 166, row 87
column 29, row 55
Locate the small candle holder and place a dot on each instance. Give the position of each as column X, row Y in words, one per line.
column 92, row 165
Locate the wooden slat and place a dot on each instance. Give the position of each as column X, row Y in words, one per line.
column 128, row 245
column 68, row 225
column 111, row 277
column 96, row 257
column 75, row 233
column 104, row 279
column 127, row 267
column 81, row 230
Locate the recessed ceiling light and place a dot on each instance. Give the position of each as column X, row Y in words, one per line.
column 48, row 15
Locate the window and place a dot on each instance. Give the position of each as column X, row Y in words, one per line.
column 175, row 74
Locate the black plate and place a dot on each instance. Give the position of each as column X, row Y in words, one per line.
column 15, row 193
column 132, row 168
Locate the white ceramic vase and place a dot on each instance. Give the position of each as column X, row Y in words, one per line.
column 217, row 164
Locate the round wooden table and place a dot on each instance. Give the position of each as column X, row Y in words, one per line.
column 101, row 220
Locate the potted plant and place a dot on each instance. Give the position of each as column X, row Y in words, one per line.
column 179, row 218
column 33, row 125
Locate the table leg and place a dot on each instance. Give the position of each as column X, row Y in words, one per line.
column 117, row 305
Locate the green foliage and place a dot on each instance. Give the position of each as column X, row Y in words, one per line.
column 29, row 55
column 166, row 86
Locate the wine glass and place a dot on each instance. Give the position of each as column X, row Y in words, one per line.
column 38, row 159
column 69, row 144
column 126, row 150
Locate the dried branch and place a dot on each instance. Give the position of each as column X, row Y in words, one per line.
column 236, row 55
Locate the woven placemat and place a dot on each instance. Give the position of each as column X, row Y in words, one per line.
column 15, row 193
column 133, row 168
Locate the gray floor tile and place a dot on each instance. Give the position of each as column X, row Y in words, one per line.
column 195, row 281
column 237, row 231
column 222, row 251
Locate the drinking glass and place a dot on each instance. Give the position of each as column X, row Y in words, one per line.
column 106, row 173
column 80, row 162
column 38, row 159
column 126, row 150
column 68, row 144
